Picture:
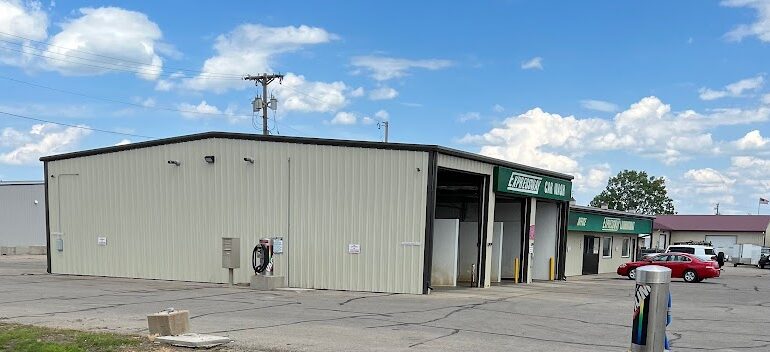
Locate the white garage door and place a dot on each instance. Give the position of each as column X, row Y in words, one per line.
column 721, row 243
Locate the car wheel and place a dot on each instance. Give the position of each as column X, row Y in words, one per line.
column 762, row 266
column 690, row 276
column 632, row 274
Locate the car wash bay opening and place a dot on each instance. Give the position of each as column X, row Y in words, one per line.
column 512, row 230
column 349, row 215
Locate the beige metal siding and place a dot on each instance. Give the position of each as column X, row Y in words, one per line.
column 166, row 222
column 610, row 265
column 22, row 222
column 452, row 162
column 742, row 237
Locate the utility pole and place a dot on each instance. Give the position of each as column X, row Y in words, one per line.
column 717, row 208
column 261, row 103
column 385, row 125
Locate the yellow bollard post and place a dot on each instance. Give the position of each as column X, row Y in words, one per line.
column 516, row 270
column 552, row 272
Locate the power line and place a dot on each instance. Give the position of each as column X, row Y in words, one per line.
column 110, row 100
column 120, row 101
column 228, row 75
column 75, row 126
column 222, row 76
column 111, row 68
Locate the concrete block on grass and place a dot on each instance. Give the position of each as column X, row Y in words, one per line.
column 169, row 322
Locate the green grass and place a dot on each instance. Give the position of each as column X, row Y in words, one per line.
column 24, row 338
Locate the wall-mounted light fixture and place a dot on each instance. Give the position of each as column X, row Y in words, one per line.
column 174, row 162
column 248, row 160
column 209, row 159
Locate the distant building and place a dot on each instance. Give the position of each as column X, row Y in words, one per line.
column 598, row 240
column 721, row 230
column 22, row 217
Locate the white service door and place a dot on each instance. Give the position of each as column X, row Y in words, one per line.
column 722, row 243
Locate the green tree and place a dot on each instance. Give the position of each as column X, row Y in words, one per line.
column 636, row 191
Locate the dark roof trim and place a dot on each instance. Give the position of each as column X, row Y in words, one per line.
column 305, row 140
column 601, row 211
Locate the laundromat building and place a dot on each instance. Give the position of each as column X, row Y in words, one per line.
column 350, row 215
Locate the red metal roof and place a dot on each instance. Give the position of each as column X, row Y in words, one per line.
column 722, row 223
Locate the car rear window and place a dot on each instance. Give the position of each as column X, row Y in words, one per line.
column 710, row 251
column 688, row 250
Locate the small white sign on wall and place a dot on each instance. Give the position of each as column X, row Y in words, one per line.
column 354, row 248
column 278, row 245
column 102, row 241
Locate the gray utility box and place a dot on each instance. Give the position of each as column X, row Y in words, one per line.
column 231, row 252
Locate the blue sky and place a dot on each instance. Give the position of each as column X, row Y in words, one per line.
column 678, row 89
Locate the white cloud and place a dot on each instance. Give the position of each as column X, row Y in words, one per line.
column 250, row 48
column 599, row 105
column 127, row 35
column 648, row 128
column 298, row 94
column 23, row 19
column 469, row 116
column 41, row 140
column 752, row 140
column 592, row 180
column 760, row 28
column 366, row 120
column 708, row 180
column 766, row 99
column 382, row 115
column 123, row 142
column 358, row 92
column 751, row 162
column 383, row 68
column 734, row 89
column 11, row 137
column 533, row 63
column 344, row 118
column 202, row 110
column 498, row 108
column 383, row 93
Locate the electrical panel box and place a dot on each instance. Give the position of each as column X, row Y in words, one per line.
column 231, row 252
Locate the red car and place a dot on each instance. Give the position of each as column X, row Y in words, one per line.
column 682, row 265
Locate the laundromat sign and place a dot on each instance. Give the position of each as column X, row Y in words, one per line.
column 597, row 223
column 526, row 183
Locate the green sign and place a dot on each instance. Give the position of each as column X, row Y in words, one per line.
column 530, row 184
column 611, row 223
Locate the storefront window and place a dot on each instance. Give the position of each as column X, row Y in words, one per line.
column 626, row 248
column 607, row 247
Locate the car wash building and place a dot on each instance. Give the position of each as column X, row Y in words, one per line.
column 599, row 240
column 343, row 215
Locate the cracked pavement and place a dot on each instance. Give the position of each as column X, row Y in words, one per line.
column 590, row 313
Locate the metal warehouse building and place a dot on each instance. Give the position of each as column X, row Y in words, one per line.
column 22, row 217
column 351, row 215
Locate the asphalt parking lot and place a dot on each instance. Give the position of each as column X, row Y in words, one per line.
column 731, row 313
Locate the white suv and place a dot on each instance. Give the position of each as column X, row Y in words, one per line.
column 700, row 251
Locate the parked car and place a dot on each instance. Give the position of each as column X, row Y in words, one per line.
column 700, row 251
column 683, row 265
column 764, row 261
